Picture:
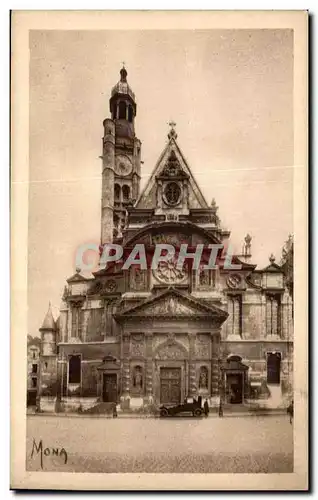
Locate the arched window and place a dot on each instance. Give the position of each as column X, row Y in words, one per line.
column 130, row 114
column 117, row 192
column 122, row 111
column 74, row 369
column 126, row 193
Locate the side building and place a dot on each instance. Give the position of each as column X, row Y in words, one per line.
column 33, row 369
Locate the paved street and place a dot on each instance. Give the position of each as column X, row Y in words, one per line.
column 231, row 444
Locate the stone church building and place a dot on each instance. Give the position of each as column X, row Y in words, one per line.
column 156, row 336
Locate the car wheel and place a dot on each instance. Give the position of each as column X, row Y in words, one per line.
column 197, row 412
column 164, row 412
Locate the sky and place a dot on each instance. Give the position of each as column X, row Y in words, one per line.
column 230, row 93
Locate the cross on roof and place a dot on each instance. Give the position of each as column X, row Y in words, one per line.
column 172, row 132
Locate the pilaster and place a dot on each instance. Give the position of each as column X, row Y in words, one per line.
column 125, row 397
column 192, row 366
column 215, row 340
column 149, row 367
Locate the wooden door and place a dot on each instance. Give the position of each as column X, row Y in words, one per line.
column 110, row 387
column 170, row 385
column 234, row 385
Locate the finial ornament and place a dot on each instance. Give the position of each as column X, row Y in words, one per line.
column 172, row 132
column 246, row 251
column 78, row 269
column 123, row 74
column 248, row 239
column 272, row 259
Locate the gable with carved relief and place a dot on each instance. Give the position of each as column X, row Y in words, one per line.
column 168, row 306
column 171, row 168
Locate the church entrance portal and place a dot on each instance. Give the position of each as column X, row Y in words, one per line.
column 170, row 385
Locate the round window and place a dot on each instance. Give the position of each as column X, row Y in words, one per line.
column 172, row 193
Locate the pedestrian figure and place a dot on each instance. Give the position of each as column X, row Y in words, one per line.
column 114, row 411
column 206, row 408
column 290, row 411
column 220, row 409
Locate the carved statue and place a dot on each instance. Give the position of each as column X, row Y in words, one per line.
column 203, row 380
column 138, row 378
column 204, row 277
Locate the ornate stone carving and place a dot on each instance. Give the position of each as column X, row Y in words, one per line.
column 171, row 238
column 234, row 281
column 137, row 346
column 171, row 351
column 110, row 285
column 168, row 273
column 204, row 277
column 138, row 279
column 169, row 306
column 202, row 347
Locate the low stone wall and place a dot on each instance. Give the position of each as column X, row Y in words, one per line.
column 74, row 404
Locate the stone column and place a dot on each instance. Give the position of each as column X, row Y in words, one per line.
column 149, row 369
column 125, row 396
column 236, row 316
column 192, row 366
column 274, row 317
column 268, row 316
column 215, row 341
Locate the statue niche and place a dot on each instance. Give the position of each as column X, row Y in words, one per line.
column 203, row 378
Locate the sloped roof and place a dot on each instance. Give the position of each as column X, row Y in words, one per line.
column 272, row 267
column 172, row 145
column 77, row 277
column 48, row 322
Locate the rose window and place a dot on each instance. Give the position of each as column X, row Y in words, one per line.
column 172, row 193
column 167, row 272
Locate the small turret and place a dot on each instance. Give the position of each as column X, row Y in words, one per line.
column 48, row 334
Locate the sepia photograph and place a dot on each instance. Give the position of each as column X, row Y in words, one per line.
column 159, row 173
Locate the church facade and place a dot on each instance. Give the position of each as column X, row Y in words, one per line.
column 141, row 337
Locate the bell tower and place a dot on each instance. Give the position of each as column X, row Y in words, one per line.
column 121, row 160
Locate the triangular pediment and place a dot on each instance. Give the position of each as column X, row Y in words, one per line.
column 172, row 165
column 77, row 277
column 173, row 303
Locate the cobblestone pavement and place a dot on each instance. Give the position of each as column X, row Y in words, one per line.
column 235, row 444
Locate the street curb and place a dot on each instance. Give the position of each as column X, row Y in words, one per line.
column 132, row 416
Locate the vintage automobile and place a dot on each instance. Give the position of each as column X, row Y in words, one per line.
column 192, row 407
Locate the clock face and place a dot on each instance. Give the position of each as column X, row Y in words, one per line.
column 123, row 165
